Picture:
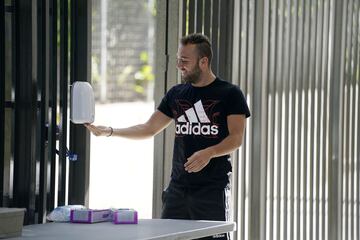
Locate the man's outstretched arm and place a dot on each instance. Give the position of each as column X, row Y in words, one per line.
column 156, row 123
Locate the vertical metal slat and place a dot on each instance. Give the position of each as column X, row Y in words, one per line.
column 43, row 90
column 238, row 156
column 307, row 121
column 357, row 148
column 191, row 19
column 346, row 143
column 286, row 115
column 199, row 16
column 185, row 11
column 292, row 88
column 319, row 113
column 80, row 71
column 64, row 83
column 215, row 34
column 354, row 59
column 14, row 74
column 357, row 214
column 265, row 125
column 2, row 98
column 324, row 121
column 243, row 78
column 224, row 22
column 299, row 104
column 356, row 156
column 278, row 117
column 53, row 100
column 312, row 114
column 256, row 88
column 272, row 123
column 207, row 17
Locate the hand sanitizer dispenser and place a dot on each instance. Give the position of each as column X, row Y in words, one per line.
column 82, row 108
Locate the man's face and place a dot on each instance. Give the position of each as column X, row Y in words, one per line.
column 188, row 63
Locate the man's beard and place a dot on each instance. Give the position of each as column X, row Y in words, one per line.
column 193, row 77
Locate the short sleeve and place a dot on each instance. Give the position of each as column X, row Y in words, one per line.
column 164, row 105
column 236, row 102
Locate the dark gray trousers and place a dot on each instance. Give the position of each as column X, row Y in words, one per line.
column 196, row 203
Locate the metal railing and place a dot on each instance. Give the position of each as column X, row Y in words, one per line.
column 297, row 176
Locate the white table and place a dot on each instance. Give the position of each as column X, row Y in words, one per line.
column 164, row 229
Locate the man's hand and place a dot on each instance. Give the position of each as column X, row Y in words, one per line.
column 236, row 126
column 98, row 130
column 198, row 161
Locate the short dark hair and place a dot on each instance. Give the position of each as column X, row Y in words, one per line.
column 202, row 43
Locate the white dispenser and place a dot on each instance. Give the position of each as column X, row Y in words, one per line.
column 82, row 108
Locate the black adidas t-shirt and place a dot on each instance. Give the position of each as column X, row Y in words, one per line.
column 200, row 115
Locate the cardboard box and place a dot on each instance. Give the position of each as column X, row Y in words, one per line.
column 11, row 222
column 89, row 215
column 125, row 216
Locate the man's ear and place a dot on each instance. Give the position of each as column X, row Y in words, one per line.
column 204, row 61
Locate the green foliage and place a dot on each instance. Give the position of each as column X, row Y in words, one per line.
column 144, row 75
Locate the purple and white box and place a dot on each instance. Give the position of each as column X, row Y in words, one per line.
column 90, row 215
column 125, row 216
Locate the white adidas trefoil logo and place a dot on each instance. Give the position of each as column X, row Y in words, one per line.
column 196, row 122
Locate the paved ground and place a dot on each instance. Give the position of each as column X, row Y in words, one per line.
column 121, row 170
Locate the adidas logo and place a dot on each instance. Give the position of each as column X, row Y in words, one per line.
column 196, row 122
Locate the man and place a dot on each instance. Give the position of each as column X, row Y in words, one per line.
column 210, row 117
